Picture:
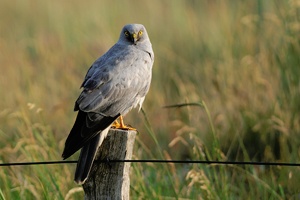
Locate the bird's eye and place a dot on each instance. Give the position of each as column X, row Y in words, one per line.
column 126, row 33
column 140, row 33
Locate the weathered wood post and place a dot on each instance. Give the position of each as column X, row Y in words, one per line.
column 110, row 180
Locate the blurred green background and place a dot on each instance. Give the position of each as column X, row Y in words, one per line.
column 240, row 59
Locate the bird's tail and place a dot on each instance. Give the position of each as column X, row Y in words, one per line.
column 87, row 156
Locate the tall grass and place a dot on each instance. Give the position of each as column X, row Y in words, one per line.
column 240, row 58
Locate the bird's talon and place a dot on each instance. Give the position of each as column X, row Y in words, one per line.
column 121, row 125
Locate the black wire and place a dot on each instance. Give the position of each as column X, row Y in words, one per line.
column 158, row 161
column 37, row 163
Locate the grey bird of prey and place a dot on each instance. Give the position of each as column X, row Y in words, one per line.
column 116, row 82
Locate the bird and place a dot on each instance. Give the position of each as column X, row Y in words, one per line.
column 116, row 82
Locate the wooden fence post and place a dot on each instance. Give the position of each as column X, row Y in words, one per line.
column 111, row 180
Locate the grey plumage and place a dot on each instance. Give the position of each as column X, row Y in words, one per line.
column 117, row 82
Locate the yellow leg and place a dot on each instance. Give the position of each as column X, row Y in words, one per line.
column 115, row 124
column 121, row 125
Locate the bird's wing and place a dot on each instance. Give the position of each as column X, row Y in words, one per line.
column 88, row 125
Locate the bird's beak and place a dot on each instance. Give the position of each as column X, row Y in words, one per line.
column 134, row 38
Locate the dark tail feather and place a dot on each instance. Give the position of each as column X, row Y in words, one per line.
column 87, row 156
column 74, row 138
column 81, row 134
column 85, row 161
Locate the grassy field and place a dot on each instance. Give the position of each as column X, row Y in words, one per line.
column 239, row 61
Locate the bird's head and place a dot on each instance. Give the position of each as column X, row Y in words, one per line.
column 133, row 34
